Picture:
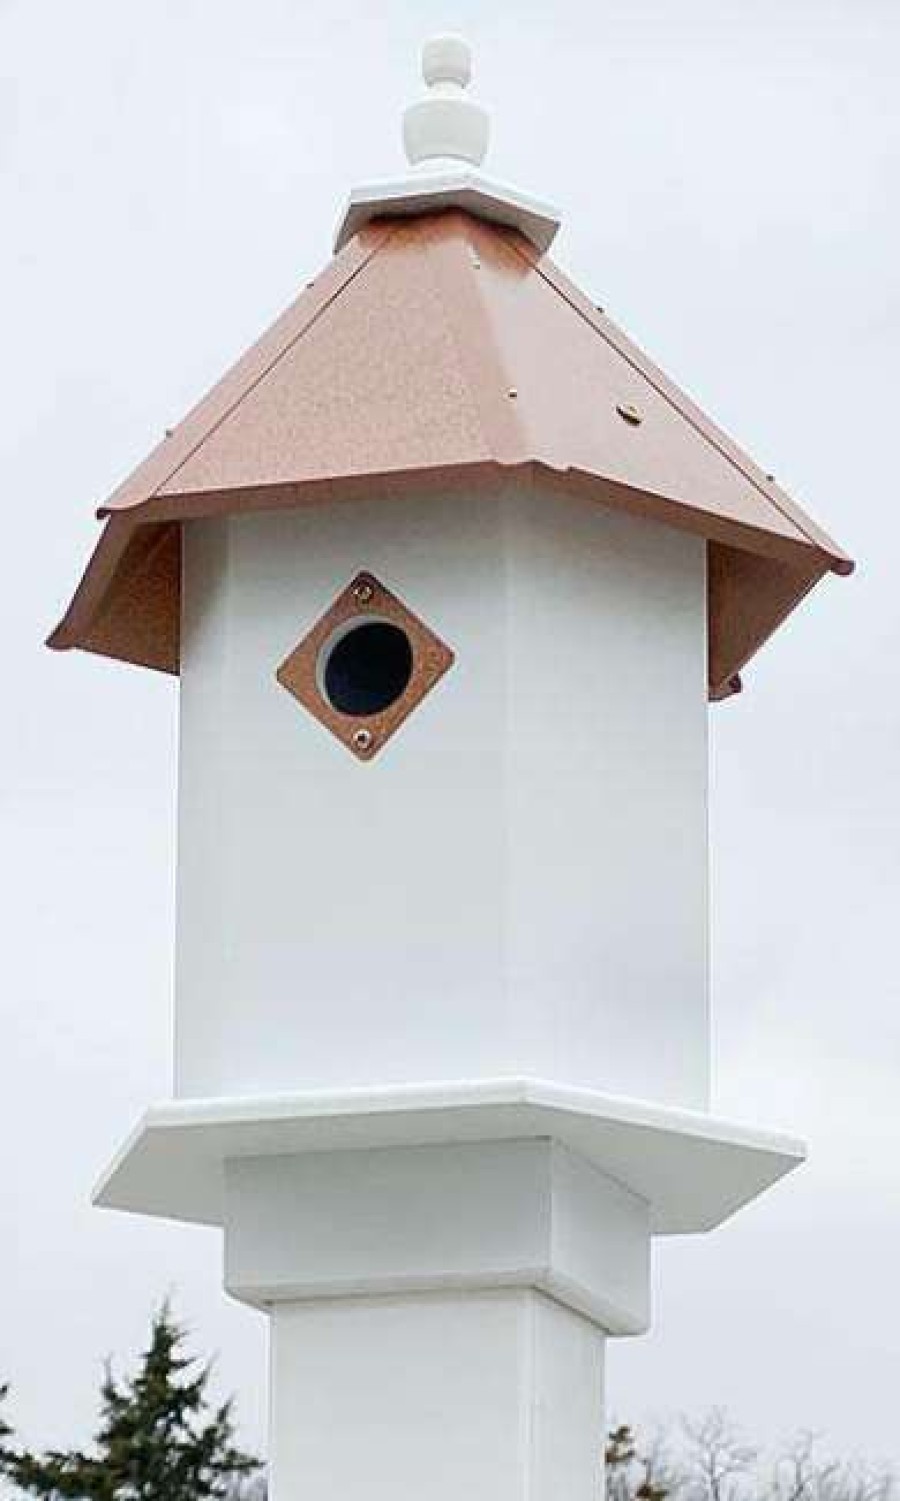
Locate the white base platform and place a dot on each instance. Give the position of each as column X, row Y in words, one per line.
column 692, row 1169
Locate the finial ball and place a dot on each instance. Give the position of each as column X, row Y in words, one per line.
column 447, row 59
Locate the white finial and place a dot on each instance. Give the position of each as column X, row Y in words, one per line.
column 446, row 124
column 446, row 138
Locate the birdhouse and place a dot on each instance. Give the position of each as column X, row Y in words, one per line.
column 449, row 572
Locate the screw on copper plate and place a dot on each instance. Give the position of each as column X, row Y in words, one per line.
column 629, row 413
column 364, row 591
column 363, row 740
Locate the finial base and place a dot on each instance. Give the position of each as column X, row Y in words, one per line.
column 455, row 187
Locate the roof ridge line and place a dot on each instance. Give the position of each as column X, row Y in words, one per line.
column 476, row 382
column 679, row 401
column 387, row 230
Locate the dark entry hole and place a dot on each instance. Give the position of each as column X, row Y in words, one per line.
column 368, row 668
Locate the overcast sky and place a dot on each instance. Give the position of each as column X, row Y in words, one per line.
column 728, row 174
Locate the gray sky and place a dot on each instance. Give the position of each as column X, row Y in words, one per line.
column 171, row 171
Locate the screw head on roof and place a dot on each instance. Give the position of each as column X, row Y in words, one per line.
column 446, row 124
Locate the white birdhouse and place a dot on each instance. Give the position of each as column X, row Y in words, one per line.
column 449, row 571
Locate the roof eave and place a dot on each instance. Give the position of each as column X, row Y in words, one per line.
column 755, row 578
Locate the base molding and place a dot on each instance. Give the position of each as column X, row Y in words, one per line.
column 398, row 1220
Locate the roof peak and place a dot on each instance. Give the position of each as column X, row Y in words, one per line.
column 446, row 135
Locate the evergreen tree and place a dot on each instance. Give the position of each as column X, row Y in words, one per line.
column 620, row 1447
column 632, row 1475
column 158, row 1438
column 5, row 1430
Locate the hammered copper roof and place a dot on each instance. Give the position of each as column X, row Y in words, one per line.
column 446, row 349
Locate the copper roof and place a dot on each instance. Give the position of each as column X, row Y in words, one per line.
column 446, row 349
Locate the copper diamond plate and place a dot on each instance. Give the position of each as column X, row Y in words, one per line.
column 365, row 598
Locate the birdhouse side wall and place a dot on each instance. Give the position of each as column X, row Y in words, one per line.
column 341, row 923
column 607, row 774
column 516, row 884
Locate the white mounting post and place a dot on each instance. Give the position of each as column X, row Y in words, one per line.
column 438, row 1316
